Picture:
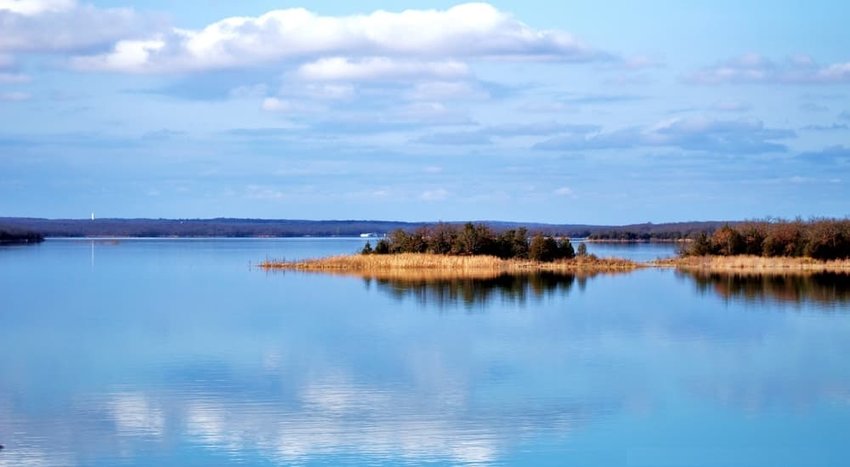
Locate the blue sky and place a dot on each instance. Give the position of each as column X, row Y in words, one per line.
column 528, row 111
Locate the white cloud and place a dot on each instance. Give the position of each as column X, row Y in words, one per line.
column 273, row 104
column 469, row 30
column 35, row 7
column 380, row 68
column 290, row 106
column 434, row 195
column 61, row 26
column 329, row 91
column 755, row 68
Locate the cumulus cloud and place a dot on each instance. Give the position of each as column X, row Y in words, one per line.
column 472, row 30
column 380, row 68
column 695, row 134
column 66, row 26
column 35, row 7
column 755, row 68
column 275, row 104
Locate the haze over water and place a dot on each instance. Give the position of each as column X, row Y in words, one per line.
column 178, row 352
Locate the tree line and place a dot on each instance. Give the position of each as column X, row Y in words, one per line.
column 475, row 239
column 817, row 238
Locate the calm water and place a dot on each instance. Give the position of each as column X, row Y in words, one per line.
column 178, row 352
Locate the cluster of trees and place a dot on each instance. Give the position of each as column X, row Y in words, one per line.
column 818, row 238
column 474, row 239
column 9, row 237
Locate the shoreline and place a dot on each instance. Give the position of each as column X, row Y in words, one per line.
column 432, row 265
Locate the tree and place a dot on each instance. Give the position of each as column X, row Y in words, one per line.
column 727, row 241
column 441, row 239
column 565, row 249
column 784, row 239
column 582, row 249
column 473, row 240
column 752, row 237
column 542, row 248
column 701, row 246
column 382, row 247
column 367, row 249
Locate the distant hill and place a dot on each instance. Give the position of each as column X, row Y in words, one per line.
column 228, row 227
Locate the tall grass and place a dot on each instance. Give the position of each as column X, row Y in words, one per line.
column 756, row 264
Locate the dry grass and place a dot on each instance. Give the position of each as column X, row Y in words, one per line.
column 754, row 264
column 423, row 265
column 429, row 266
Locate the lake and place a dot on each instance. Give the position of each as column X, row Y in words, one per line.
column 182, row 352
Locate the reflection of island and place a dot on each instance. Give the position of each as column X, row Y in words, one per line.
column 825, row 289
column 445, row 291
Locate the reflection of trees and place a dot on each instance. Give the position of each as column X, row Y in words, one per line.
column 472, row 291
column 821, row 288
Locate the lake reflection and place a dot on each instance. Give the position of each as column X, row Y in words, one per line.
column 825, row 290
column 179, row 353
column 469, row 292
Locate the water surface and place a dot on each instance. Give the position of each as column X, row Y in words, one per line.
column 179, row 352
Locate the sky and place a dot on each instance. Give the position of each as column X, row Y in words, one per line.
column 609, row 112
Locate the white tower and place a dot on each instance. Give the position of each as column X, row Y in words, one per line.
column 92, row 216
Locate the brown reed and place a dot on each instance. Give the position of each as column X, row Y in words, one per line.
column 448, row 265
column 754, row 264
